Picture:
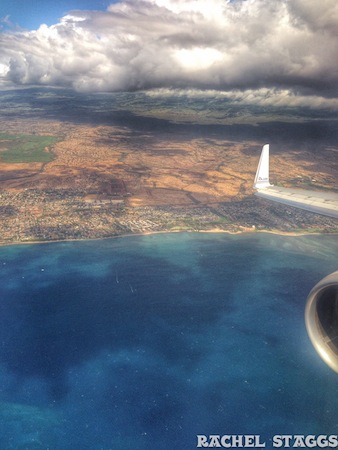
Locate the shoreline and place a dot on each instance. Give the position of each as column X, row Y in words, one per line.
column 149, row 233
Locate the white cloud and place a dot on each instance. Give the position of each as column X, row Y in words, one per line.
column 197, row 58
column 3, row 70
column 261, row 97
column 217, row 44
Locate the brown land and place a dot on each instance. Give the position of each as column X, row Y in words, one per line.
column 106, row 181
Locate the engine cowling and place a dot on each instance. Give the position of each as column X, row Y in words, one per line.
column 321, row 319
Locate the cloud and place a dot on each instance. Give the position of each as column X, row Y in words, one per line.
column 278, row 98
column 214, row 44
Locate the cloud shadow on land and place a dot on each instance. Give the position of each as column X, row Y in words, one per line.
column 117, row 110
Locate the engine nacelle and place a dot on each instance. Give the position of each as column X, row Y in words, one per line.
column 321, row 319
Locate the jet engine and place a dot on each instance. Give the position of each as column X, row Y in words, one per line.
column 321, row 319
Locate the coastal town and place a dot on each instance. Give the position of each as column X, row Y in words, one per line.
column 31, row 216
column 103, row 181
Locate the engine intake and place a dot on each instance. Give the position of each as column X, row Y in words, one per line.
column 321, row 319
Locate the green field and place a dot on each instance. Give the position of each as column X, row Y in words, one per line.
column 25, row 148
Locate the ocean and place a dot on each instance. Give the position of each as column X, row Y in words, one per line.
column 145, row 342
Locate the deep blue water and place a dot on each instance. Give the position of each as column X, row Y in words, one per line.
column 144, row 342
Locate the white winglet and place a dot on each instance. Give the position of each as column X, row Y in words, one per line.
column 262, row 174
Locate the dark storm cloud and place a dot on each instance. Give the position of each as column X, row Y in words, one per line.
column 216, row 44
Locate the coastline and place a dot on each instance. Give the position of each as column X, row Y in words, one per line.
column 149, row 233
column 35, row 225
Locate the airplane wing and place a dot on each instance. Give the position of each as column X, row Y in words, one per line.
column 325, row 203
column 320, row 202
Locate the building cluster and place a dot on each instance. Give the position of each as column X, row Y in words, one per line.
column 35, row 215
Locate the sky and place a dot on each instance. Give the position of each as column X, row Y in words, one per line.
column 278, row 49
column 31, row 14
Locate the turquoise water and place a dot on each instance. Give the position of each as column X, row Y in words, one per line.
column 144, row 342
